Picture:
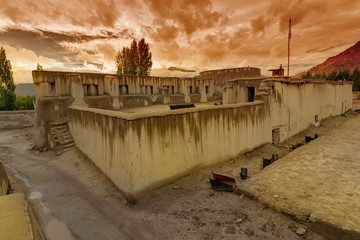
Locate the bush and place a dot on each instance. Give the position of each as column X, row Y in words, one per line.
column 343, row 75
column 21, row 103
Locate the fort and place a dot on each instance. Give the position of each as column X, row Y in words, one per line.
column 140, row 149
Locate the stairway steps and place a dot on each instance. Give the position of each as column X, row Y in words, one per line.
column 61, row 136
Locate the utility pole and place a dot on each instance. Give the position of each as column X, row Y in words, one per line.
column 289, row 37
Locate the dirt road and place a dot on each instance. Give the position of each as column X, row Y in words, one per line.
column 74, row 200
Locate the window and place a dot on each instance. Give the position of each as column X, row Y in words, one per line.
column 92, row 90
column 206, row 89
column 123, row 89
column 52, row 85
column 251, row 94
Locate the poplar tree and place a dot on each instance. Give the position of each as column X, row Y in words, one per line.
column 134, row 60
column 145, row 62
column 7, row 86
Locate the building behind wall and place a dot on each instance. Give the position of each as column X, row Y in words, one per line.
column 277, row 71
column 221, row 76
column 57, row 91
column 142, row 151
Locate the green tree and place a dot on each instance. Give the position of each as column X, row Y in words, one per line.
column 343, row 75
column 7, row 87
column 332, row 76
column 39, row 67
column 355, row 77
column 134, row 60
column 308, row 75
column 317, row 76
column 122, row 61
column 145, row 62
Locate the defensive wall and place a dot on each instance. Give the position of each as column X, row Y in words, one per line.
column 241, row 90
column 18, row 221
column 231, row 73
column 56, row 91
column 221, row 76
column 295, row 106
column 356, row 95
column 138, row 151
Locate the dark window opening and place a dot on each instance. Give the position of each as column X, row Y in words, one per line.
column 52, row 87
column 92, row 90
column 251, row 94
column 172, row 90
column 123, row 89
column 206, row 89
column 151, row 90
column 190, row 89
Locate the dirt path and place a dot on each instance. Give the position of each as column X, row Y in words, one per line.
column 317, row 183
column 75, row 201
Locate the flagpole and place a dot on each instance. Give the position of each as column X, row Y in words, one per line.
column 289, row 37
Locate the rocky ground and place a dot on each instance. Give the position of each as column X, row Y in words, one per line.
column 73, row 200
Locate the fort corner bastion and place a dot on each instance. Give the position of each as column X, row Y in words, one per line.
column 140, row 150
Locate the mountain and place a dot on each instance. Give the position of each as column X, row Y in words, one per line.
column 346, row 60
column 180, row 69
column 25, row 89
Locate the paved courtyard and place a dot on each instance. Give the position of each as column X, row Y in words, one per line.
column 318, row 183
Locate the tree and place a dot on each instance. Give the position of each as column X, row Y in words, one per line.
column 122, row 61
column 308, row 75
column 39, row 67
column 145, row 62
column 135, row 60
column 355, row 77
column 7, row 87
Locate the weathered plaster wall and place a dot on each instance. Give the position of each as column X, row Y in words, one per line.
column 231, row 73
column 17, row 219
column 139, row 151
column 356, row 95
column 4, row 181
column 294, row 105
column 236, row 91
column 56, row 91
column 222, row 75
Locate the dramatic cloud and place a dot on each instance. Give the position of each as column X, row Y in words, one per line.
column 202, row 34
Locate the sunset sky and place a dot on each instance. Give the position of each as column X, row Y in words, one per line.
column 193, row 34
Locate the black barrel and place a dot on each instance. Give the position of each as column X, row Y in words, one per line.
column 275, row 157
column 308, row 139
column 266, row 162
column 316, row 136
column 243, row 173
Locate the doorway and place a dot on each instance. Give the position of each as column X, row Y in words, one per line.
column 251, row 94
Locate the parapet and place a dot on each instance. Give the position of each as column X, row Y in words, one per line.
column 231, row 73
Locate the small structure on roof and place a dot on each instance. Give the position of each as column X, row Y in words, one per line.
column 277, row 72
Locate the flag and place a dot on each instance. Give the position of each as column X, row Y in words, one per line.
column 290, row 28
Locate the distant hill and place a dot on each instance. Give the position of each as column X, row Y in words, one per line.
column 25, row 89
column 180, row 69
column 346, row 60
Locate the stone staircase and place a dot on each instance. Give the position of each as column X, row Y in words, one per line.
column 61, row 136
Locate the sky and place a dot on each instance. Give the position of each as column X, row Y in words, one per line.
column 84, row 35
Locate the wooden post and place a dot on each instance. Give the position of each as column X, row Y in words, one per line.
column 289, row 37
